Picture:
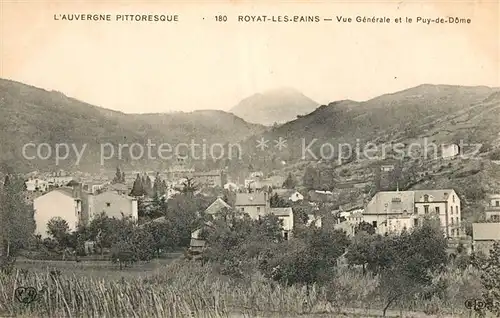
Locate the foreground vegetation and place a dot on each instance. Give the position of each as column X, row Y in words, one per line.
column 189, row 289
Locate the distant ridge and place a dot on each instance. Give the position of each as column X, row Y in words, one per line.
column 34, row 115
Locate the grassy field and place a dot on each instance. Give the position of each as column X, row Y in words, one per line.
column 98, row 269
column 186, row 289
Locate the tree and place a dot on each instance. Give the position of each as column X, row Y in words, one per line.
column 146, row 185
column 101, row 230
column 138, row 187
column 307, row 259
column 188, row 186
column 58, row 228
column 162, row 236
column 6, row 181
column 159, row 186
column 122, row 253
column 277, row 202
column 142, row 208
column 311, row 178
column 290, row 182
column 184, row 211
column 366, row 227
column 158, row 206
column 490, row 280
column 361, row 250
column 301, row 214
column 413, row 257
column 233, row 239
column 17, row 223
column 119, row 176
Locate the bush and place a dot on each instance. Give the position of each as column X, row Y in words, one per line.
column 495, row 155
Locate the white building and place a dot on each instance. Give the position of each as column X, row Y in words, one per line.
column 37, row 184
column 289, row 194
column 286, row 216
column 449, row 151
column 396, row 210
column 113, row 205
column 57, row 203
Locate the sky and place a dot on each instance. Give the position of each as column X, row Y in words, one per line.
column 200, row 63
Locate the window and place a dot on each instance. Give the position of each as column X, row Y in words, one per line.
column 456, row 219
column 416, row 210
column 108, row 204
column 451, row 221
column 426, row 198
column 437, row 210
column 453, row 199
column 451, row 210
column 285, row 235
column 415, row 222
column 242, row 209
column 258, row 209
column 452, row 232
column 374, row 223
column 497, row 203
column 458, row 232
column 426, row 209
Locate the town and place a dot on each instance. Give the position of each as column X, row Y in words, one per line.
column 78, row 198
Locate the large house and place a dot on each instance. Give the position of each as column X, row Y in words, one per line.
column 62, row 203
column 484, row 235
column 392, row 211
column 113, row 204
column 79, row 207
column 255, row 204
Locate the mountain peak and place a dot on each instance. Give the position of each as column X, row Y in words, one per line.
column 278, row 105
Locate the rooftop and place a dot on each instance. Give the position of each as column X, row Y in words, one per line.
column 216, row 206
column 281, row 211
column 256, row 198
column 486, row 231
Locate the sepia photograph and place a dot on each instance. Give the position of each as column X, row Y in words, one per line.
column 249, row 159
